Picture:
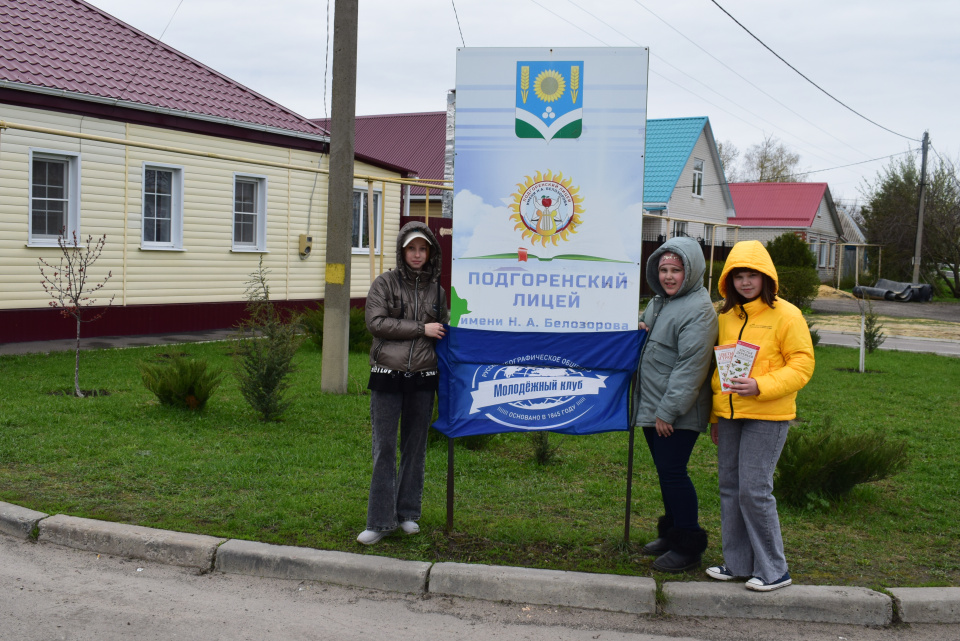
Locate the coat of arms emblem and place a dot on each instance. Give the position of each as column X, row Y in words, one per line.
column 549, row 99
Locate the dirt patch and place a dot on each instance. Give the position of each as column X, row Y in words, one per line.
column 831, row 293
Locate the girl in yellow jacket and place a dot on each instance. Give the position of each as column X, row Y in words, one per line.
column 750, row 421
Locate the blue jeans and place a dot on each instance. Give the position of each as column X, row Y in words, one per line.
column 671, row 455
column 747, row 455
column 396, row 497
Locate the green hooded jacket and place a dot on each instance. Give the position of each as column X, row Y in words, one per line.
column 672, row 382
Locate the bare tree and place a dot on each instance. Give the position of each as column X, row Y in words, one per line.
column 69, row 287
column 771, row 161
column 729, row 155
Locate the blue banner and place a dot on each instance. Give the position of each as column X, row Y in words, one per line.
column 574, row 383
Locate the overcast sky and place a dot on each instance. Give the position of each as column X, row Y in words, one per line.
column 897, row 63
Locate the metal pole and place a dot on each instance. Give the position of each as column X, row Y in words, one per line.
column 426, row 207
column 713, row 243
column 626, row 518
column 923, row 193
column 336, row 290
column 371, row 232
column 449, row 484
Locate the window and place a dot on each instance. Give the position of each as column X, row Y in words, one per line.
column 54, row 196
column 162, row 207
column 679, row 229
column 697, row 177
column 708, row 234
column 361, row 227
column 832, row 258
column 249, row 213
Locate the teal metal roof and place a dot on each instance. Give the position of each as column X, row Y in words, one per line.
column 670, row 142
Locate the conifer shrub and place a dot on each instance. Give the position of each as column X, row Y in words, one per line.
column 181, row 382
column 873, row 337
column 544, row 452
column 820, row 463
column 311, row 322
column 266, row 345
column 796, row 266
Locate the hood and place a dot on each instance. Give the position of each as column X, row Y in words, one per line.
column 751, row 254
column 432, row 268
column 694, row 265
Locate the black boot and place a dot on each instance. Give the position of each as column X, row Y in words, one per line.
column 686, row 550
column 659, row 545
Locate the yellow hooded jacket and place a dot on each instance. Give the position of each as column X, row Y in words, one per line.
column 785, row 361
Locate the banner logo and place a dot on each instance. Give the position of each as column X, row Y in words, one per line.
column 546, row 208
column 534, row 398
column 549, row 99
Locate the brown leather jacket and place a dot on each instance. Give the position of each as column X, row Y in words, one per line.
column 400, row 302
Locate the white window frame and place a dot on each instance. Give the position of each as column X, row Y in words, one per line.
column 359, row 247
column 176, row 207
column 832, row 259
column 697, row 191
column 679, row 228
column 72, row 196
column 259, row 243
column 814, row 243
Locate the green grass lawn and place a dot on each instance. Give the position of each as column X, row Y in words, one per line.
column 303, row 481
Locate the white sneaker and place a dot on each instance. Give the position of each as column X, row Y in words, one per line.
column 410, row 527
column 759, row 585
column 369, row 537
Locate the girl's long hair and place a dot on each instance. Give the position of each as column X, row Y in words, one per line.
column 768, row 291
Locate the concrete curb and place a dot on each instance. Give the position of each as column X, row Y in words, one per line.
column 629, row 594
column 823, row 604
column 162, row 546
column 634, row 595
column 19, row 521
column 928, row 605
column 342, row 568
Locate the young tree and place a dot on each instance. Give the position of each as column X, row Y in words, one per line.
column 729, row 155
column 265, row 350
column 771, row 161
column 69, row 287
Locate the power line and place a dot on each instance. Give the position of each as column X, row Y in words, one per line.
column 458, row 22
column 664, row 61
column 745, row 79
column 827, row 93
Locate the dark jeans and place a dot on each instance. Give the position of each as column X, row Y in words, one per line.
column 670, row 455
column 396, row 497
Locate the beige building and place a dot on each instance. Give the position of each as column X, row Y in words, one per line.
column 191, row 177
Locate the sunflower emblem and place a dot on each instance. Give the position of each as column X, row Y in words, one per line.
column 546, row 208
column 549, row 86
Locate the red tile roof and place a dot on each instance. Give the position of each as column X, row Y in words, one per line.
column 414, row 141
column 776, row 204
column 69, row 45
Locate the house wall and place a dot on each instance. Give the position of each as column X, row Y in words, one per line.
column 711, row 207
column 827, row 267
column 418, row 207
column 207, row 269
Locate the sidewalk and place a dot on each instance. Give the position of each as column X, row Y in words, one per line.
column 628, row 594
column 942, row 346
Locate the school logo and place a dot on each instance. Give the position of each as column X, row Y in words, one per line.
column 549, row 99
column 546, row 208
column 535, row 398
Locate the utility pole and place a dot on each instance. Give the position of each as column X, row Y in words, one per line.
column 336, row 294
column 923, row 194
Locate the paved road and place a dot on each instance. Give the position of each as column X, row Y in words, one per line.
column 934, row 311
column 52, row 593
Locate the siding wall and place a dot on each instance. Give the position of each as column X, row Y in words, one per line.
column 206, row 270
column 710, row 207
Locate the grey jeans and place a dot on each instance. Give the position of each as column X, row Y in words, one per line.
column 748, row 451
column 396, row 497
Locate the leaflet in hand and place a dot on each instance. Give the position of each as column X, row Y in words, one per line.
column 734, row 361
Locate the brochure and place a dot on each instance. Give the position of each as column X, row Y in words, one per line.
column 734, row 361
